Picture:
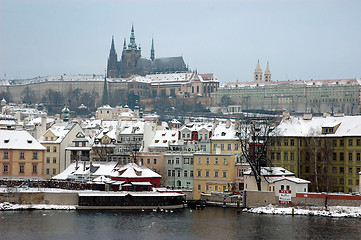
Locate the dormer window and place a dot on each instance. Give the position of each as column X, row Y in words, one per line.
column 6, row 140
column 223, row 134
column 30, row 141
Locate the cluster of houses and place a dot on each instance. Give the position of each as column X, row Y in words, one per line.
column 129, row 150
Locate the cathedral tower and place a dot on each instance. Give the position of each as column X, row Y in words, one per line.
column 258, row 73
column 130, row 56
column 267, row 74
column 152, row 54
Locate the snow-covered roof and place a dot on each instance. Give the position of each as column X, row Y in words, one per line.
column 292, row 179
column 132, row 170
column 130, row 127
column 298, row 127
column 60, row 130
column 222, row 132
column 14, row 139
column 163, row 138
column 271, row 171
column 195, row 126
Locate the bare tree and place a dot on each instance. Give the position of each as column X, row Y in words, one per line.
column 318, row 152
column 255, row 136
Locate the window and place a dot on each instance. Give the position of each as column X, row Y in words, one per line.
column 334, row 169
column 169, row 161
column 358, row 142
column 286, row 142
column 286, row 156
column 216, row 161
column 148, row 161
column 350, row 142
column 54, row 159
column 199, row 173
column 6, row 168
column 154, row 161
column 279, row 156
column 225, row 161
column 350, row 170
column 292, row 142
column 169, row 173
column 216, row 188
column 54, row 171
column 207, row 187
column 191, row 174
column 48, row 149
column 341, row 170
column 358, row 157
column 350, row 182
column 272, row 156
column 186, row 160
column 21, row 170
column 334, row 156
column 215, row 173
column 236, row 146
column 47, row 159
column 6, row 155
column 173, row 173
column 178, row 173
column 292, row 156
column 199, row 187
column 22, row 155
column 207, row 161
column 222, row 146
column 215, row 146
column 341, row 181
column 342, row 156
column 177, row 161
column 185, row 173
column 224, row 174
column 199, row 160
column 342, row 142
column 35, row 168
column 35, row 155
column 229, row 147
column 54, row 149
column 292, row 169
column 207, row 173
column 350, row 156
column 47, row 171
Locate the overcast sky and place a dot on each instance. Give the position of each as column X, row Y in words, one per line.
column 309, row 39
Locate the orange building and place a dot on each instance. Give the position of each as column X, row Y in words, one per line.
column 21, row 155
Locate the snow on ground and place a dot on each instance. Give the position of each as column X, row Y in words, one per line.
column 334, row 211
column 6, row 206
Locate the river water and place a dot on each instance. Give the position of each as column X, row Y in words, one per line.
column 209, row 223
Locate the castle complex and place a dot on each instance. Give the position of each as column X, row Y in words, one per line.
column 131, row 62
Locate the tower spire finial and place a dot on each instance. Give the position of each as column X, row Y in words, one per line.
column 132, row 45
column 152, row 54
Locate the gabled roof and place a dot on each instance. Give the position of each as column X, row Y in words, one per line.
column 132, row 170
column 271, row 172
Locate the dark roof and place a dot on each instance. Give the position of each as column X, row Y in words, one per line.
column 175, row 63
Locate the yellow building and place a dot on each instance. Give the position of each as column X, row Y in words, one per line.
column 55, row 140
column 213, row 173
column 21, row 155
column 323, row 150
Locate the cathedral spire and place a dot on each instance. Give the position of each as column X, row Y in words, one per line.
column 152, row 55
column 258, row 73
column 132, row 45
column 267, row 74
column 112, row 69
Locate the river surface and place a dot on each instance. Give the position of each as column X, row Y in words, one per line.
column 209, row 223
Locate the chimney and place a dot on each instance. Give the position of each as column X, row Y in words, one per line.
column 307, row 116
column 186, row 121
column 326, row 114
column 228, row 123
column 285, row 115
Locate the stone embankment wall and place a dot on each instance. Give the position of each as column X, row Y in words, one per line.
column 259, row 199
column 48, row 198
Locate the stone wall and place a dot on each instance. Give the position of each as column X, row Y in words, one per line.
column 258, row 199
column 40, row 198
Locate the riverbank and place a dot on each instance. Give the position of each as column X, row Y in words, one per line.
column 6, row 206
column 334, row 211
